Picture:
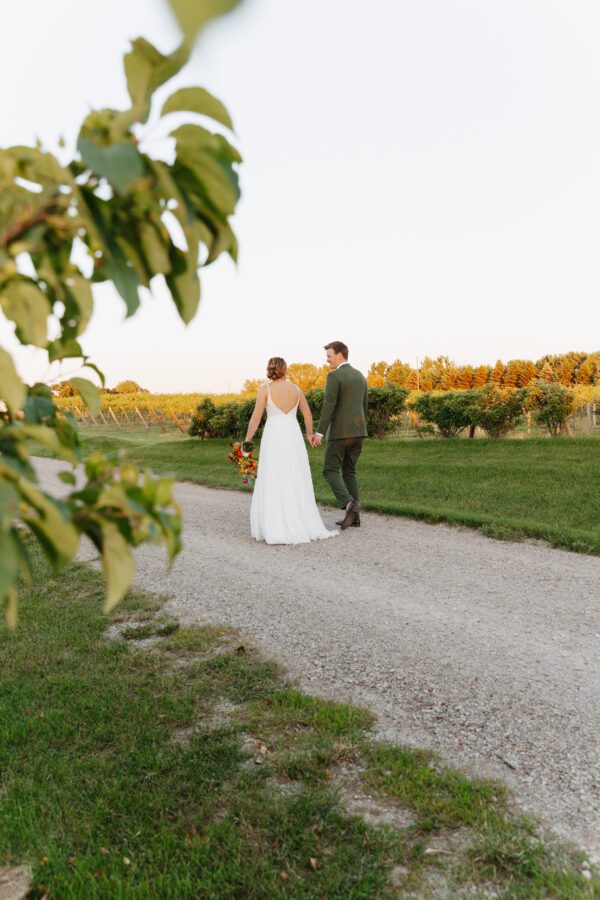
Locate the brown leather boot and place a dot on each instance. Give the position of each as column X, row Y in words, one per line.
column 352, row 517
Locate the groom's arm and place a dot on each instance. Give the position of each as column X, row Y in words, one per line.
column 332, row 389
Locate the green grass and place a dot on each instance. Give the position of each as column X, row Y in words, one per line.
column 121, row 777
column 510, row 489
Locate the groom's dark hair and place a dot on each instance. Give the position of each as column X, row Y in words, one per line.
column 337, row 347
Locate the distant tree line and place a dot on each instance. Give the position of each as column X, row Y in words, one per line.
column 442, row 374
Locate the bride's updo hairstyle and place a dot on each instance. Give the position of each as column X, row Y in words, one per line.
column 276, row 368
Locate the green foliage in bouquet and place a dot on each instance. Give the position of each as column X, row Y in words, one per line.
column 552, row 404
column 131, row 218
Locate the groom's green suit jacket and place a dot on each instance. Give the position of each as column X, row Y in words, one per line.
column 345, row 404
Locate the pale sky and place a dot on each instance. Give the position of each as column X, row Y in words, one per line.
column 419, row 178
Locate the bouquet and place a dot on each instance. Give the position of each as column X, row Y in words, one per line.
column 242, row 456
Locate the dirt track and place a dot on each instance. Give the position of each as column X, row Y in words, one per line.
column 488, row 652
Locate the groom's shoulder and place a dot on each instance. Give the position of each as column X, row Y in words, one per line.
column 355, row 373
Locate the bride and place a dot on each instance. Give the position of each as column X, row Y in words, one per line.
column 283, row 509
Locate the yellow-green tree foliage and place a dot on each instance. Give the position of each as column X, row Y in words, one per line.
column 511, row 374
column 308, row 376
column 481, row 376
column 528, row 373
column 498, row 372
column 129, row 387
column 464, row 377
column 399, row 373
column 64, row 389
column 442, row 374
column 546, row 373
column 251, row 386
column 377, row 374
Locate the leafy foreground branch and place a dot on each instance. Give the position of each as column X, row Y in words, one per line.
column 112, row 213
column 174, row 762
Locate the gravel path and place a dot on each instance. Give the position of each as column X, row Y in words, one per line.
column 487, row 652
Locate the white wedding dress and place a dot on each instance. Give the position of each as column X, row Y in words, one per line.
column 283, row 508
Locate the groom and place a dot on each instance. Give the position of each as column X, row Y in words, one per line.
column 344, row 421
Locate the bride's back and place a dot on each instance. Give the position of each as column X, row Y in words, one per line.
column 284, row 394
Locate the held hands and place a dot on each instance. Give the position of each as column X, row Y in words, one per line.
column 315, row 440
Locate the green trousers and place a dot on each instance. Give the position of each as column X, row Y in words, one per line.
column 339, row 468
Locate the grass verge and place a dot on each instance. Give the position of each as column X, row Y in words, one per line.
column 189, row 767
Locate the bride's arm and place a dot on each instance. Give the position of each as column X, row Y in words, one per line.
column 259, row 408
column 306, row 414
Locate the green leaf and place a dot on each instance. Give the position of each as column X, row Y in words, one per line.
column 146, row 68
column 198, row 100
column 118, row 564
column 125, row 280
column 114, row 265
column 39, row 166
column 9, row 499
column 38, row 407
column 56, row 533
column 9, row 570
column 25, row 305
column 164, row 491
column 80, row 291
column 40, row 389
column 193, row 15
column 22, row 554
column 89, row 393
column 202, row 153
column 64, row 349
column 183, row 281
column 140, row 64
column 133, row 256
column 114, row 496
column 88, row 365
column 154, row 249
column 12, row 389
column 11, row 608
column 67, row 477
column 120, row 163
column 185, row 290
column 169, row 189
column 223, row 240
column 48, row 437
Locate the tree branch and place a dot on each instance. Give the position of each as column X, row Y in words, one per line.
column 15, row 230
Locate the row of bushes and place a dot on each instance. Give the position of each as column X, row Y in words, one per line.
column 496, row 410
column 230, row 420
